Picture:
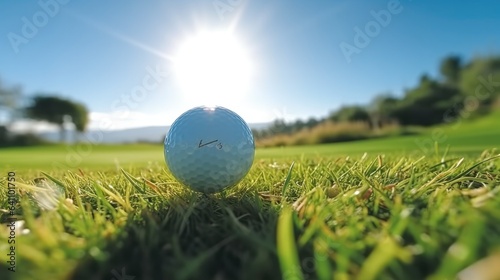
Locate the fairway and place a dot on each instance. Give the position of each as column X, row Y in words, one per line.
column 250, row 140
column 376, row 209
column 465, row 138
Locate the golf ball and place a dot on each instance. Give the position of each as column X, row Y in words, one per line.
column 209, row 149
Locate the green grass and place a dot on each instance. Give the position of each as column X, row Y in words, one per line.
column 399, row 211
column 466, row 137
column 57, row 157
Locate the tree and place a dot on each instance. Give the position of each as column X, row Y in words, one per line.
column 481, row 81
column 312, row 122
column 80, row 117
column 57, row 111
column 450, row 70
column 427, row 103
column 350, row 114
column 381, row 109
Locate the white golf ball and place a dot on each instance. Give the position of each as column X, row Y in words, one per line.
column 209, row 149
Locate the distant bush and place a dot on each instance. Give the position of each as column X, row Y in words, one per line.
column 332, row 132
column 27, row 139
column 21, row 140
column 275, row 141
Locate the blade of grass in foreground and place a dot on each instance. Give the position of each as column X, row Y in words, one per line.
column 287, row 250
column 464, row 251
column 287, row 180
column 386, row 251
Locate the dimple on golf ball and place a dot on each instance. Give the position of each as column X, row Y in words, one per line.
column 209, row 149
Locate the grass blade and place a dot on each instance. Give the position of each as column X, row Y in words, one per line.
column 475, row 165
column 287, row 249
column 134, row 182
column 287, row 180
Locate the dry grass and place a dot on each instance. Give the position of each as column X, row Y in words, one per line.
column 330, row 132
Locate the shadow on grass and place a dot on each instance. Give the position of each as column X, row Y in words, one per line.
column 197, row 237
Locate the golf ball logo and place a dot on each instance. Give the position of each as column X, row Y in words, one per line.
column 209, row 149
column 219, row 145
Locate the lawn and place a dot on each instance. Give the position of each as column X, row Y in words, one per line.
column 414, row 207
column 465, row 138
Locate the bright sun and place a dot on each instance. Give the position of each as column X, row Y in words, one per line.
column 213, row 68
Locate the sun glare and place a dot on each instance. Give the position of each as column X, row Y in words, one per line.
column 213, row 68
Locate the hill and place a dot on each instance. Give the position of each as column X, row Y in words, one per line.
column 466, row 136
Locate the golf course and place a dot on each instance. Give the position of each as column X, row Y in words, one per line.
column 250, row 140
column 422, row 206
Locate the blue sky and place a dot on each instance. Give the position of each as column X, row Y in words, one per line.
column 99, row 52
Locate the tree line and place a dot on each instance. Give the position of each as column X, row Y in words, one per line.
column 14, row 105
column 472, row 86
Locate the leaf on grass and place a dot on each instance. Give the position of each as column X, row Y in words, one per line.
column 29, row 188
column 54, row 180
column 47, row 194
column 49, row 198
